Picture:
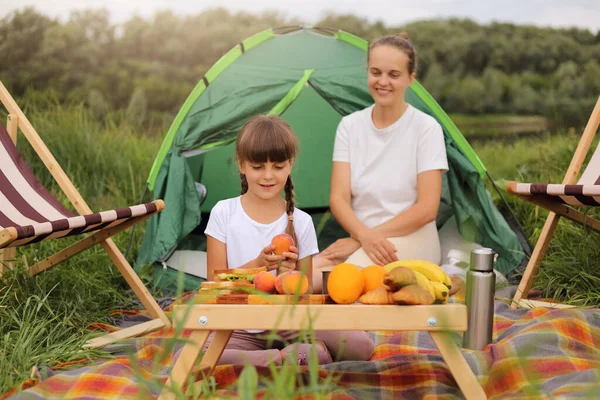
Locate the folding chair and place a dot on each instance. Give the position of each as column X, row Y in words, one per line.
column 30, row 214
column 560, row 199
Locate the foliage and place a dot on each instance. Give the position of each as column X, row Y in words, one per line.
column 475, row 68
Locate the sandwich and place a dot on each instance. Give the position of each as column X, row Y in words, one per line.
column 231, row 281
column 239, row 275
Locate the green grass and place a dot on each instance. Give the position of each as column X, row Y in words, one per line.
column 44, row 319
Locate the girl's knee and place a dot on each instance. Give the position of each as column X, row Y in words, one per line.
column 363, row 348
column 349, row 345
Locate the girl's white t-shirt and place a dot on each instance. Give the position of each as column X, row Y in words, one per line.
column 245, row 238
column 384, row 163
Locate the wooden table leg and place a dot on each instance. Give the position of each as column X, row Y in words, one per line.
column 212, row 356
column 460, row 370
column 214, row 351
column 187, row 358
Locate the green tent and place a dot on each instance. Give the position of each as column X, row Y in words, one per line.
column 311, row 77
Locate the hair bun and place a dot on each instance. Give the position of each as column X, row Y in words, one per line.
column 403, row 35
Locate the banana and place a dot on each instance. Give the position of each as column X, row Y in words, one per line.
column 432, row 271
column 425, row 283
column 398, row 278
column 441, row 292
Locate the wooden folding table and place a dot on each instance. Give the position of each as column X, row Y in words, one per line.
column 274, row 311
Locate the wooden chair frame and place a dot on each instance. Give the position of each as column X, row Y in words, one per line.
column 18, row 120
column 557, row 210
column 201, row 319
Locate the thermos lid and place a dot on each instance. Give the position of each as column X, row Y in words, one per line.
column 482, row 259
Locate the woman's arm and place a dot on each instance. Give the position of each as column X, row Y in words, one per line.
column 429, row 191
column 376, row 246
column 216, row 256
column 339, row 200
column 374, row 241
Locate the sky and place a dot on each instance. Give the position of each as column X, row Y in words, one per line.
column 555, row 13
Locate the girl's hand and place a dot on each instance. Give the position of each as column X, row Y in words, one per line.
column 266, row 258
column 289, row 259
column 341, row 249
column 379, row 249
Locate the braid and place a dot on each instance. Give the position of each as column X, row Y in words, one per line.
column 244, row 183
column 289, row 196
column 289, row 200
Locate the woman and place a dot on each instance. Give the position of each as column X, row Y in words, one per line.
column 388, row 161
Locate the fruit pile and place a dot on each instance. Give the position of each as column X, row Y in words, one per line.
column 410, row 282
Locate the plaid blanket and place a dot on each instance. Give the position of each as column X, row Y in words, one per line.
column 538, row 353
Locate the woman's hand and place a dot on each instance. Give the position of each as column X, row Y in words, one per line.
column 341, row 249
column 379, row 249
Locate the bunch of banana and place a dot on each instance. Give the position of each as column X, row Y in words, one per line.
column 431, row 271
column 403, row 285
column 427, row 275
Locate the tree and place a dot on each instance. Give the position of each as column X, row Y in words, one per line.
column 591, row 78
column 495, row 88
column 468, row 96
column 435, row 82
column 527, row 101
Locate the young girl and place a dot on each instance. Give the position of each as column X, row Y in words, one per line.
column 239, row 233
column 388, row 161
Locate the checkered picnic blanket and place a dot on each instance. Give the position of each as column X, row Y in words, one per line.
column 538, row 353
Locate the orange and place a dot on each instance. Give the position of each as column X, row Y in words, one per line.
column 345, row 283
column 373, row 275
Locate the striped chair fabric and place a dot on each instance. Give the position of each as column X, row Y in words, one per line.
column 28, row 207
column 585, row 193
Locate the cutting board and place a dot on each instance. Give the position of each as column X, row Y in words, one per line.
column 214, row 298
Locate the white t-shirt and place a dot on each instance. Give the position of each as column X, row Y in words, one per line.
column 384, row 163
column 245, row 238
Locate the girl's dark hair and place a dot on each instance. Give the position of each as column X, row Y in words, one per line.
column 401, row 42
column 269, row 138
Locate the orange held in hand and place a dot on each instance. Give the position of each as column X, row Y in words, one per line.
column 264, row 281
column 373, row 275
column 345, row 283
column 282, row 243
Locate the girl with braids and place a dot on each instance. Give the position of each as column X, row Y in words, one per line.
column 239, row 233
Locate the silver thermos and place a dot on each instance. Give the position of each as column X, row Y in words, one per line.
column 479, row 298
